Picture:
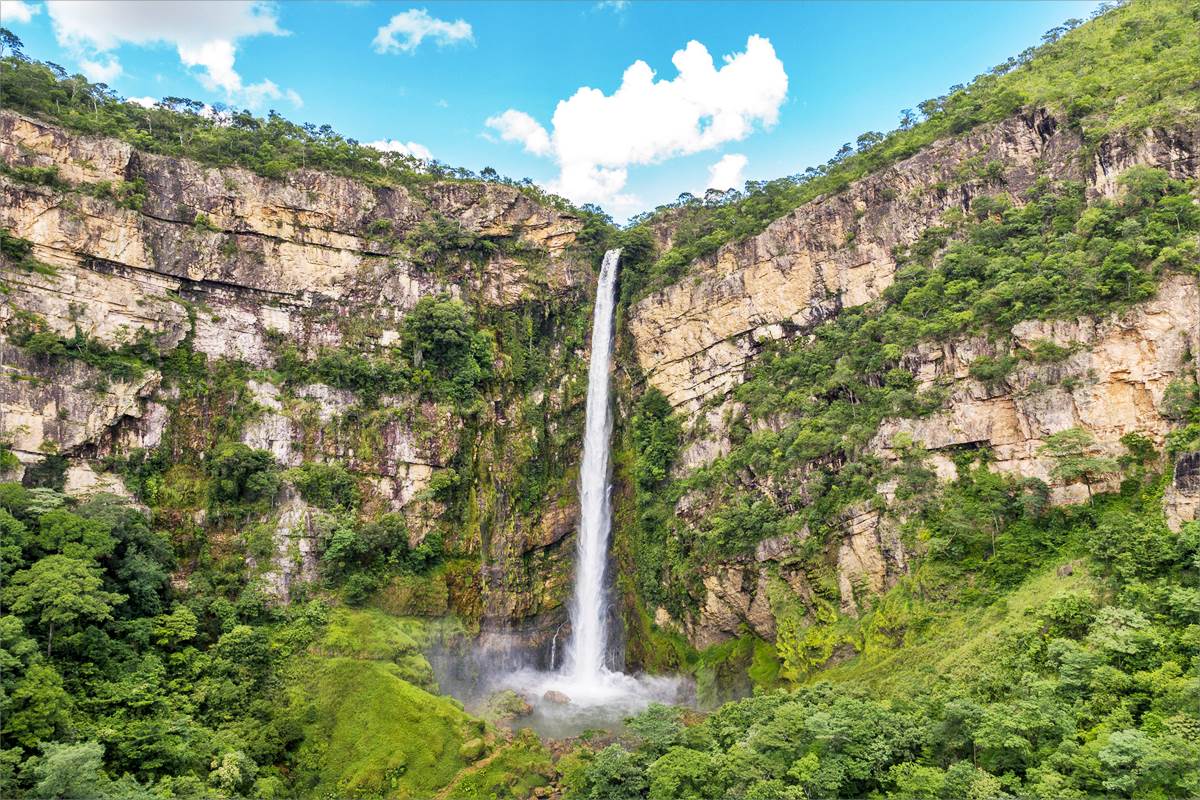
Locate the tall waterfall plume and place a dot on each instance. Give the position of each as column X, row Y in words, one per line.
column 589, row 608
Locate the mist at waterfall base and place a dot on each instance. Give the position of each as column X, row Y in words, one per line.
column 599, row 695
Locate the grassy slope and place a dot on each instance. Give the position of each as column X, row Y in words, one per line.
column 512, row 772
column 956, row 644
column 368, row 729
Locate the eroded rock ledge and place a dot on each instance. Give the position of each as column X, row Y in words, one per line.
column 693, row 339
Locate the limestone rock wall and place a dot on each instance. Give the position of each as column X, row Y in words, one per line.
column 167, row 250
column 694, row 341
column 694, row 338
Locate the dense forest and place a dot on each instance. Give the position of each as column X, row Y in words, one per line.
column 1031, row 650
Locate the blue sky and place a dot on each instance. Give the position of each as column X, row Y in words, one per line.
column 811, row 75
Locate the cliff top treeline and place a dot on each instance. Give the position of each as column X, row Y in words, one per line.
column 218, row 135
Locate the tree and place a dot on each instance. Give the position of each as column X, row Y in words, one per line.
column 656, row 436
column 10, row 42
column 38, row 707
column 241, row 476
column 233, row 772
column 72, row 770
column 681, row 774
column 1069, row 451
column 449, row 357
column 59, row 591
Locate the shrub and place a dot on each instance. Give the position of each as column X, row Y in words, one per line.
column 325, row 485
column 242, row 478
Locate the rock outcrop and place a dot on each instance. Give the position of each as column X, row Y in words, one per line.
column 1111, row 384
column 695, row 340
column 168, row 252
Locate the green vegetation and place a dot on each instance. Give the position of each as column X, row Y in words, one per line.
column 512, row 773
column 442, row 355
column 1055, row 256
column 117, row 685
column 414, row 741
column 19, row 252
column 1027, row 651
column 367, row 674
column 125, row 363
column 1076, row 682
column 1131, row 68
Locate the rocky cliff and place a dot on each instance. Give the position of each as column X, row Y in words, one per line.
column 135, row 253
column 163, row 253
column 699, row 339
column 695, row 337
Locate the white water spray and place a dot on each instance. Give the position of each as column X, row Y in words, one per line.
column 589, row 608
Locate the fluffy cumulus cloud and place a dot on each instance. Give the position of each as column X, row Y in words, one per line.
column 17, row 11
column 204, row 34
column 517, row 126
column 728, row 173
column 405, row 32
column 101, row 72
column 596, row 137
column 403, row 148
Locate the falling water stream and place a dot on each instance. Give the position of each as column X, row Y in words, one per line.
column 589, row 609
column 587, row 691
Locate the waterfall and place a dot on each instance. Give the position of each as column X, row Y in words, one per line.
column 589, row 608
column 584, row 693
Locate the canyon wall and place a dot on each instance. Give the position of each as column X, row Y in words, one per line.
column 233, row 267
column 238, row 270
column 697, row 340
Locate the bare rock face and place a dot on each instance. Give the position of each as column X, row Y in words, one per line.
column 48, row 407
column 82, row 480
column 295, row 545
column 738, row 595
column 1112, row 384
column 1181, row 499
column 693, row 339
column 870, row 556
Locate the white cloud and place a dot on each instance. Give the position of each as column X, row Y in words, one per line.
column 726, row 173
column 596, row 137
column 403, row 148
column 517, row 126
column 13, row 11
column 612, row 5
column 96, row 72
column 144, row 102
column 414, row 26
column 204, row 34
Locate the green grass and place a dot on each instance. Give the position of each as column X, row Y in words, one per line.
column 956, row 643
column 371, row 733
column 371, row 727
column 512, row 773
column 372, row 635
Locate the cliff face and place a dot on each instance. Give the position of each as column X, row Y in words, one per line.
column 695, row 337
column 697, row 340
column 235, row 266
